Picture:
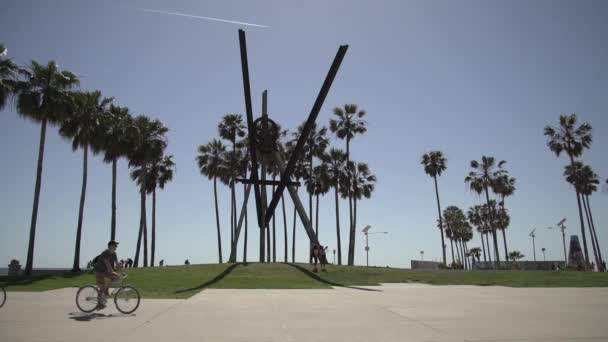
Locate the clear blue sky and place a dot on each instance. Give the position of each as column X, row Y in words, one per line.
column 467, row 77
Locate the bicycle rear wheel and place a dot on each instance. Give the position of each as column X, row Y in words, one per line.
column 127, row 299
column 2, row 297
column 86, row 298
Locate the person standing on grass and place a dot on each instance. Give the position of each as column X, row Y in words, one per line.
column 323, row 257
column 315, row 256
column 161, row 263
column 104, row 270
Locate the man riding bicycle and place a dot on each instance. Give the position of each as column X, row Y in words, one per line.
column 105, row 265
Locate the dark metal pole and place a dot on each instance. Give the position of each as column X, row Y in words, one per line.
column 286, row 174
column 250, row 126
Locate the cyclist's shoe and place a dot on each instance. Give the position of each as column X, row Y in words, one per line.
column 100, row 307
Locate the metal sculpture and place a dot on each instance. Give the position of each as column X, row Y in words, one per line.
column 263, row 136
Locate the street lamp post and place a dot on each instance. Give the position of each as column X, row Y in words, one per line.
column 532, row 235
column 543, row 249
column 422, row 255
column 367, row 233
column 562, row 227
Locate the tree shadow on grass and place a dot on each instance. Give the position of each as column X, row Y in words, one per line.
column 87, row 317
column 27, row 280
column 328, row 282
column 212, row 281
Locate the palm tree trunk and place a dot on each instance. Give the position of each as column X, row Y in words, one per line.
column 350, row 209
column 597, row 241
column 30, row 248
column 246, row 224
column 580, row 215
column 113, row 222
column 598, row 261
column 232, row 214
column 488, row 248
column 153, row 227
column 274, row 229
column 142, row 217
column 483, row 246
column 338, row 226
column 284, row 226
column 217, row 220
column 495, row 240
column 76, row 265
column 137, row 249
column 145, row 216
column 353, row 232
column 293, row 235
column 440, row 221
column 317, row 219
column 234, row 219
column 310, row 212
column 452, row 249
column 504, row 235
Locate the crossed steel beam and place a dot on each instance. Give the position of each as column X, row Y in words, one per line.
column 264, row 214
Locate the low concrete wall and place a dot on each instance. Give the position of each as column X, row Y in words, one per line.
column 425, row 265
column 519, row 265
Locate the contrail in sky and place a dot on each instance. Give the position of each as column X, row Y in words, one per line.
column 198, row 17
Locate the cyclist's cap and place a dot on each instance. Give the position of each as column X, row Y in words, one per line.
column 113, row 242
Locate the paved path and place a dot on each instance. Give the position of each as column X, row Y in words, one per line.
column 397, row 312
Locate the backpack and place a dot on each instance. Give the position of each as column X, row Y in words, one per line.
column 95, row 259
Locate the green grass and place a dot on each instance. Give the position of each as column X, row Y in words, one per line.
column 184, row 281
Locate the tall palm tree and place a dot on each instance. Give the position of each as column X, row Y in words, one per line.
column 454, row 221
column 515, row 255
column 434, row 164
column 9, row 72
column 360, row 183
column 572, row 139
column 230, row 128
column 336, row 163
column 82, row 127
column 318, row 184
column 585, row 181
column 482, row 177
column 347, row 124
column 299, row 173
column 43, row 97
column 475, row 217
column 504, row 186
column 210, row 160
column 148, row 143
column 114, row 144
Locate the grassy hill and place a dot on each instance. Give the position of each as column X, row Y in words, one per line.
column 184, row 281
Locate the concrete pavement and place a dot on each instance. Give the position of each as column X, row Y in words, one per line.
column 392, row 312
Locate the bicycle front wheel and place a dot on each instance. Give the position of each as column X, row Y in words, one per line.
column 127, row 299
column 86, row 298
column 2, row 297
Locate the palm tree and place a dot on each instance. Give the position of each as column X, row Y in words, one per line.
column 230, row 170
column 159, row 174
column 230, row 128
column 482, row 177
column 456, row 229
column 585, row 181
column 475, row 217
column 114, row 144
column 148, row 143
column 210, row 159
column 434, row 164
column 572, row 139
column 360, row 183
column 515, row 255
column 82, row 127
column 475, row 252
column 298, row 174
column 504, row 187
column 336, row 163
column 347, row 124
column 318, row 184
column 8, row 77
column 43, row 97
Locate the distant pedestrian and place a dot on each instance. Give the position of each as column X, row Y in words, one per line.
column 604, row 265
column 315, row 257
column 323, row 257
column 161, row 263
column 129, row 263
column 187, row 262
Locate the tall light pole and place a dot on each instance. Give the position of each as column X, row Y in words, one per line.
column 562, row 226
column 422, row 255
column 367, row 233
column 533, row 245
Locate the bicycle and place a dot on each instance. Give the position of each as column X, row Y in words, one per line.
column 2, row 297
column 126, row 298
